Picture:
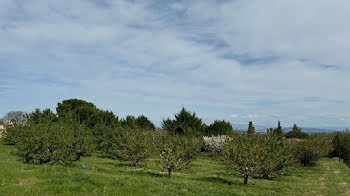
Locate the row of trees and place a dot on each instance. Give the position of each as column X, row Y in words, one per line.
column 78, row 128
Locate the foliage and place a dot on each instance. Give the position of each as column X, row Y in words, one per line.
column 278, row 155
column 129, row 122
column 16, row 116
column 341, row 142
column 128, row 145
column 219, row 128
column 310, row 150
column 251, row 128
column 278, row 130
column 45, row 139
column 185, row 123
column 54, row 142
column 78, row 110
column 296, row 133
column 205, row 177
column 143, row 123
column 12, row 133
column 178, row 151
column 214, row 144
column 245, row 154
column 251, row 154
column 38, row 117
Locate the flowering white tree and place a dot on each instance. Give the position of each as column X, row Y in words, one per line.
column 215, row 143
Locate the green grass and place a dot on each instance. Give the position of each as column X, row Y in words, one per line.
column 205, row 177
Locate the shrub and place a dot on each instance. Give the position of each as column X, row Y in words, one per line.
column 214, row 144
column 128, row 145
column 341, row 142
column 296, row 133
column 185, row 123
column 219, row 128
column 53, row 143
column 176, row 152
column 309, row 151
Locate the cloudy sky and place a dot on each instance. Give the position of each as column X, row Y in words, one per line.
column 236, row 60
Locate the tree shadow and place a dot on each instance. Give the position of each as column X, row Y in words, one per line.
column 216, row 180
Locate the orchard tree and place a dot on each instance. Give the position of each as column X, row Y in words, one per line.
column 129, row 145
column 278, row 155
column 176, row 152
column 245, row 154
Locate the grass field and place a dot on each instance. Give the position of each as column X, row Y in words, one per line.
column 205, row 177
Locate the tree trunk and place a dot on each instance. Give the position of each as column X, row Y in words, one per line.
column 245, row 180
column 266, row 176
column 136, row 163
column 169, row 172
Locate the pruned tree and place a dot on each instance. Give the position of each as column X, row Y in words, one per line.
column 128, row 144
column 245, row 155
column 176, row 152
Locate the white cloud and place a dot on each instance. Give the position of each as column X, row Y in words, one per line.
column 245, row 56
column 234, row 116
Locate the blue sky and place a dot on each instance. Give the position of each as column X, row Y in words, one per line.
column 236, row 60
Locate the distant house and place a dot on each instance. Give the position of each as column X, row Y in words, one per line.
column 2, row 127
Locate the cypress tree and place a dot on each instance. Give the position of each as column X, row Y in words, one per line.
column 251, row 128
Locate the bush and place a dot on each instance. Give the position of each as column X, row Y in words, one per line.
column 214, row 144
column 309, row 151
column 128, row 145
column 341, row 142
column 53, row 143
column 219, row 128
column 176, row 152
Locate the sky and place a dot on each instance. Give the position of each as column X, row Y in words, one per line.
column 239, row 60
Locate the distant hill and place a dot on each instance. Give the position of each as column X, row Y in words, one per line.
column 262, row 128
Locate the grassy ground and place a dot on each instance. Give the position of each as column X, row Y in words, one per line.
column 206, row 177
